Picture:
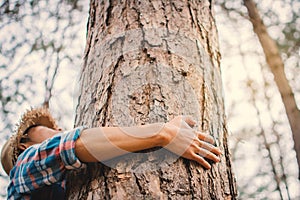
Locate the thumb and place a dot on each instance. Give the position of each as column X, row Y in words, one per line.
column 189, row 120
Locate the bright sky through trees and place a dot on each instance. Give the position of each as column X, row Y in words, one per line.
column 44, row 36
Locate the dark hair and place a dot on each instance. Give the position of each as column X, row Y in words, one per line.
column 25, row 137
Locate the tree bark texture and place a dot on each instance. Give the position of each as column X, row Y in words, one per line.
column 146, row 62
column 276, row 65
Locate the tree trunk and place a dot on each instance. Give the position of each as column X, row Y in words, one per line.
column 276, row 65
column 146, row 62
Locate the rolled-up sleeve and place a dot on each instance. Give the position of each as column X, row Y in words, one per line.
column 67, row 149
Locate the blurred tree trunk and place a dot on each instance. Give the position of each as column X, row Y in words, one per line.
column 148, row 61
column 276, row 65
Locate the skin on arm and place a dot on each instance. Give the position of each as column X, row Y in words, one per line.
column 110, row 142
column 104, row 143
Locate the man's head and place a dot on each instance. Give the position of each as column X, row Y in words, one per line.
column 35, row 126
column 35, row 135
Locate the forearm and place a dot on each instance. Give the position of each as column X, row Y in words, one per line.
column 177, row 136
column 104, row 143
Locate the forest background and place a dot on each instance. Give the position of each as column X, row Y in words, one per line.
column 41, row 48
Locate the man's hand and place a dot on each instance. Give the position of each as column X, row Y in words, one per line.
column 184, row 141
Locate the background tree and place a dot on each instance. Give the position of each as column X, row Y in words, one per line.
column 148, row 61
column 267, row 136
column 276, row 65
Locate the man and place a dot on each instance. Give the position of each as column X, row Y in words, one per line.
column 37, row 156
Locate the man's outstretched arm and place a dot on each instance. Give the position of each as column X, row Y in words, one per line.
column 178, row 136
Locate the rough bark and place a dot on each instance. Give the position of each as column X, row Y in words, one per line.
column 145, row 62
column 276, row 66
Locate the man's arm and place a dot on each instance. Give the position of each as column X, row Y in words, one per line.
column 104, row 143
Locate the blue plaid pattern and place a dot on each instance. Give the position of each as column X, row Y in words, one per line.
column 44, row 164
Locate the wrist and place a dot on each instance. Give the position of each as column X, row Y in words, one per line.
column 154, row 133
column 165, row 135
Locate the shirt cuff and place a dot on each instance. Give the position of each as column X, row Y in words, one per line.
column 67, row 149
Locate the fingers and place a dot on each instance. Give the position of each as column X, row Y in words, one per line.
column 207, row 154
column 201, row 161
column 205, row 137
column 198, row 145
column 209, row 147
column 201, row 150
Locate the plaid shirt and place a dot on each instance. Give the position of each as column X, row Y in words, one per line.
column 44, row 164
